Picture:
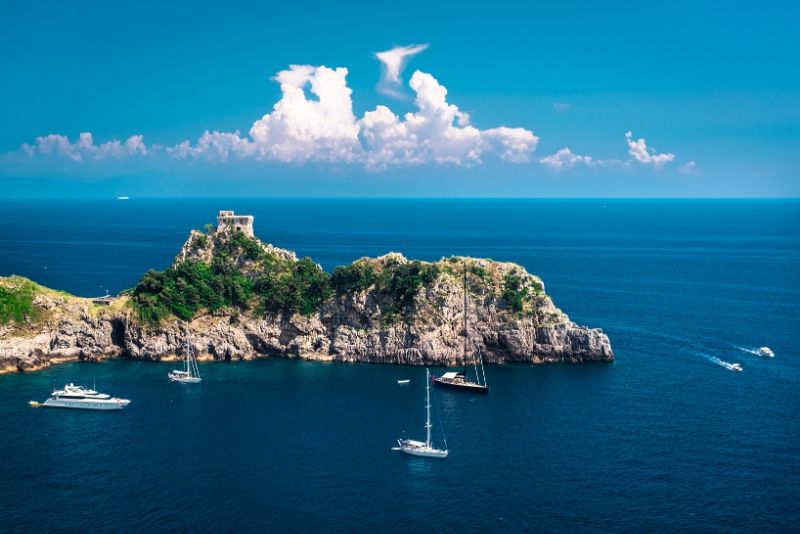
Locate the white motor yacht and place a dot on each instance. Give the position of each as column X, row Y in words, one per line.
column 766, row 351
column 72, row 396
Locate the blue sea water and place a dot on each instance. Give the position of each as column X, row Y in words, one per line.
column 662, row 439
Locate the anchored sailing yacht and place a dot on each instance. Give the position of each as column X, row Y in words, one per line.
column 458, row 379
column 424, row 448
column 190, row 374
column 72, row 396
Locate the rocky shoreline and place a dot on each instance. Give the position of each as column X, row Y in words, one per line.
column 350, row 326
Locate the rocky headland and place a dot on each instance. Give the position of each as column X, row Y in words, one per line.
column 237, row 298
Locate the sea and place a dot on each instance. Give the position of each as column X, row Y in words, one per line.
column 665, row 438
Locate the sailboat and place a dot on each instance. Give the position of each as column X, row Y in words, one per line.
column 191, row 373
column 423, row 448
column 458, row 379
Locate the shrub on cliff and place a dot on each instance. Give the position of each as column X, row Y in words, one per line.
column 188, row 288
column 201, row 242
column 401, row 281
column 513, row 292
column 359, row 276
column 16, row 303
column 191, row 286
column 293, row 287
column 234, row 242
column 398, row 282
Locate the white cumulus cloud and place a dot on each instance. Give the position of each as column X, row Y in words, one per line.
column 299, row 128
column 513, row 144
column 564, row 160
column 393, row 62
column 690, row 168
column 638, row 151
column 313, row 121
column 84, row 149
column 437, row 132
column 215, row 146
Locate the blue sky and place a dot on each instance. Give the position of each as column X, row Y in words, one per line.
column 716, row 84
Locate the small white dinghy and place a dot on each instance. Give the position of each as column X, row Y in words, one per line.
column 423, row 448
column 191, row 373
column 403, row 382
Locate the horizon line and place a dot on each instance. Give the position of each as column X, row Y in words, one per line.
column 134, row 198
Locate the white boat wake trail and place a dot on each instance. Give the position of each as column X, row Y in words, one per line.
column 762, row 352
column 722, row 363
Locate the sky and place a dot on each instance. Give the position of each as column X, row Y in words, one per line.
column 401, row 99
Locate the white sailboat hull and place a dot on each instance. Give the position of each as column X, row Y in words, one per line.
column 183, row 379
column 419, row 448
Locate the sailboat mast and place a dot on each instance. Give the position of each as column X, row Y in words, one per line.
column 188, row 354
column 428, row 406
column 466, row 333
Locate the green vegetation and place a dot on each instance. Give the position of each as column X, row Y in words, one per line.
column 399, row 282
column 235, row 243
column 479, row 271
column 201, row 242
column 188, row 288
column 358, row 276
column 192, row 286
column 513, row 292
column 16, row 303
column 395, row 280
column 245, row 275
column 293, row 287
column 275, row 285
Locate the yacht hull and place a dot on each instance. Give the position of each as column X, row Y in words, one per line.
column 470, row 387
column 86, row 404
column 418, row 448
column 185, row 379
column 434, row 453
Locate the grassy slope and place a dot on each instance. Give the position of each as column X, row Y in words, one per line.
column 24, row 304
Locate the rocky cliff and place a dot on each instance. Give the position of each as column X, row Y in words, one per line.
column 382, row 310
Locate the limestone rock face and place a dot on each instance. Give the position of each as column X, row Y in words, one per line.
column 84, row 338
column 361, row 325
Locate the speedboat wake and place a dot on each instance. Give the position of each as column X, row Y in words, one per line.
column 764, row 352
column 722, row 363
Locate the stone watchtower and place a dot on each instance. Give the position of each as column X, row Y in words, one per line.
column 228, row 219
